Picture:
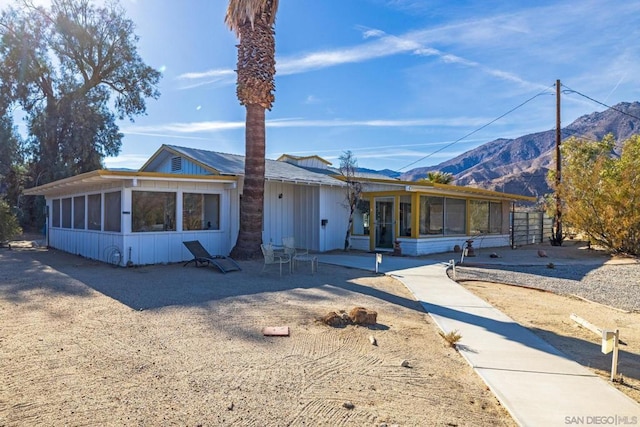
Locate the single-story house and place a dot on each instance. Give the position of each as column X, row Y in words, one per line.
column 180, row 194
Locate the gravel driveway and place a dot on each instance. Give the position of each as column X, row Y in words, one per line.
column 616, row 285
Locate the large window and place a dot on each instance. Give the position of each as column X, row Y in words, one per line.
column 200, row 211
column 495, row 218
column 478, row 217
column 442, row 216
column 153, row 211
column 66, row 213
column 78, row 212
column 431, row 215
column 112, row 211
column 55, row 213
column 405, row 216
column 361, row 218
column 94, row 208
column 485, row 217
column 454, row 216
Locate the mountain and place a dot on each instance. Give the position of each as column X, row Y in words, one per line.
column 520, row 165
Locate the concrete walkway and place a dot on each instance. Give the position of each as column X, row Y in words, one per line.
column 535, row 382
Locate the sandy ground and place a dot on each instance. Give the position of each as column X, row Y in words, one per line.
column 83, row 343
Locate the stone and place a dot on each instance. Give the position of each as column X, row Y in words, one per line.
column 348, row 405
column 363, row 316
column 333, row 319
column 541, row 253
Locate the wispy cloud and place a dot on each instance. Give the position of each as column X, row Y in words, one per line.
column 378, row 44
column 217, row 126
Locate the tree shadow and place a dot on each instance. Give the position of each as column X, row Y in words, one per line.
column 589, row 354
column 157, row 286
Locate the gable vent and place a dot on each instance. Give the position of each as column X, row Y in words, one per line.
column 176, row 164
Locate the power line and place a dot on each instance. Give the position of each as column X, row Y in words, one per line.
column 599, row 102
column 477, row 130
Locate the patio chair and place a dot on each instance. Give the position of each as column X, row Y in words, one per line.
column 289, row 245
column 298, row 255
column 271, row 257
column 201, row 256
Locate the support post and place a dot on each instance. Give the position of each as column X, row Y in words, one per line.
column 556, row 239
column 614, row 358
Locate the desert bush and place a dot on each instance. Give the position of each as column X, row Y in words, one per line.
column 451, row 337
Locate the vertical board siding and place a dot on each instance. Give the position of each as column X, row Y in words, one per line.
column 188, row 167
column 278, row 219
column 306, row 217
column 333, row 209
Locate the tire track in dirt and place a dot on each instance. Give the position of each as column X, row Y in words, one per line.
column 333, row 413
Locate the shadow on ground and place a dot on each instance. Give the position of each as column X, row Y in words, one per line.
column 157, row 286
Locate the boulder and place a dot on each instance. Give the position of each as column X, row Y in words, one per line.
column 363, row 316
column 333, row 319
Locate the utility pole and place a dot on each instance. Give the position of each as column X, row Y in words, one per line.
column 556, row 239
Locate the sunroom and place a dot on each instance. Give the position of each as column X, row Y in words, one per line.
column 431, row 218
column 139, row 217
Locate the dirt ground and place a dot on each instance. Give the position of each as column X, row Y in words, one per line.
column 83, row 343
column 548, row 315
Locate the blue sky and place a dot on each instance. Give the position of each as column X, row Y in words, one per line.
column 391, row 80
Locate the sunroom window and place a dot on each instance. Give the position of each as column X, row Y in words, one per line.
column 200, row 211
column 153, row 211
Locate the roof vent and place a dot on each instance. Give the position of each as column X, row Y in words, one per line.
column 176, row 164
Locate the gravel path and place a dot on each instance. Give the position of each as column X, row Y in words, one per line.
column 613, row 285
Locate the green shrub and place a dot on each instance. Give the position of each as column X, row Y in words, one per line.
column 9, row 227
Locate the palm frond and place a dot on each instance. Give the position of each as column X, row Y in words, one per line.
column 241, row 11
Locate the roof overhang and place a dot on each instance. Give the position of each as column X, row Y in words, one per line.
column 101, row 176
column 446, row 189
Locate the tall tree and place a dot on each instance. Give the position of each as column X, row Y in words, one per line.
column 73, row 69
column 253, row 23
column 348, row 170
column 12, row 171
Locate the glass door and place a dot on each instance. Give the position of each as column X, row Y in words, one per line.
column 384, row 223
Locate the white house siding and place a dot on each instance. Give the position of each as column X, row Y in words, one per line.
column 434, row 245
column 278, row 221
column 307, row 217
column 332, row 208
column 187, row 167
column 360, row 243
column 149, row 247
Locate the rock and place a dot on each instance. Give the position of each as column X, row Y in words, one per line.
column 373, row 340
column 348, row 405
column 363, row 316
column 494, row 255
column 333, row 319
column 405, row 364
column 541, row 253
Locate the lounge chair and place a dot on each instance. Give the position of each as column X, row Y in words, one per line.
column 201, row 256
column 271, row 257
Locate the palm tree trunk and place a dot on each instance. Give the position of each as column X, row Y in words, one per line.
column 252, row 201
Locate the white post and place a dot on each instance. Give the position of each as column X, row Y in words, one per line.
column 453, row 267
column 614, row 358
column 378, row 261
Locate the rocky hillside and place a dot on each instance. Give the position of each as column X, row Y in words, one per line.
column 520, row 165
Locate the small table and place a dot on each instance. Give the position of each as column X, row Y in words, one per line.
column 307, row 258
